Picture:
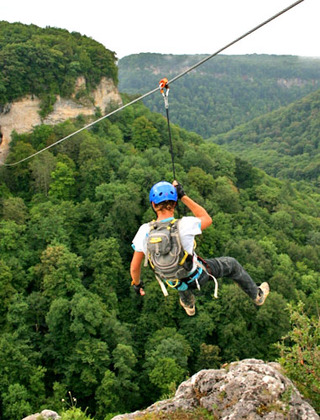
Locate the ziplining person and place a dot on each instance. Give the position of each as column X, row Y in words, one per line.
column 194, row 270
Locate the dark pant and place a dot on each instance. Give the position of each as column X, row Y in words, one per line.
column 223, row 267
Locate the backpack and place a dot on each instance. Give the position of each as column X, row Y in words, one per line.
column 165, row 253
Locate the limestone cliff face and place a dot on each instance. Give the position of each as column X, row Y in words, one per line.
column 23, row 115
column 249, row 389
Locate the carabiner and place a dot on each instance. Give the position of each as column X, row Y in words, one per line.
column 163, row 84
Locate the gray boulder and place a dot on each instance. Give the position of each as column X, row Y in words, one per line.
column 250, row 389
column 44, row 415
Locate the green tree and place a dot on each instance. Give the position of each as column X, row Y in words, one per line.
column 121, row 204
column 208, row 357
column 7, row 291
column 18, row 177
column 106, row 395
column 124, row 361
column 15, row 402
column 166, row 375
column 60, row 270
column 15, row 209
column 63, row 182
column 166, row 358
column 226, row 195
column 144, row 134
column 15, row 252
column 41, row 169
column 108, row 273
column 48, row 225
column 300, row 353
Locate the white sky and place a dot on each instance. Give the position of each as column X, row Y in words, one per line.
column 179, row 26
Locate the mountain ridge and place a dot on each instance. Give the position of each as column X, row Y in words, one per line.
column 223, row 92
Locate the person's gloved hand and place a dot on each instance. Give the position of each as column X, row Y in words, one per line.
column 138, row 288
column 180, row 190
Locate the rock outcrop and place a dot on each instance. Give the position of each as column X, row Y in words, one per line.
column 249, row 389
column 23, row 115
column 44, row 415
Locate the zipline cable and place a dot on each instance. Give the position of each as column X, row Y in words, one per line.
column 235, row 41
column 156, row 89
column 81, row 129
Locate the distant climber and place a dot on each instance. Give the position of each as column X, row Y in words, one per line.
column 168, row 245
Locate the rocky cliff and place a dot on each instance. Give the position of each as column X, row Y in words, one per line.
column 23, row 115
column 249, row 389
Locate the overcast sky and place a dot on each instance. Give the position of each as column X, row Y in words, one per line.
column 179, row 26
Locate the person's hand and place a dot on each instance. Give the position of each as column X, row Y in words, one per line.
column 179, row 188
column 138, row 288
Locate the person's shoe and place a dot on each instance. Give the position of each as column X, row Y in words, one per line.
column 263, row 292
column 191, row 310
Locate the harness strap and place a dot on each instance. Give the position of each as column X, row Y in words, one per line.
column 202, row 263
column 162, row 286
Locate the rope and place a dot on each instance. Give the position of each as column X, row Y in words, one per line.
column 171, row 146
column 164, row 89
column 156, row 89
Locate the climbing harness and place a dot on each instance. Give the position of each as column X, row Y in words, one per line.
column 182, row 284
column 172, row 264
column 164, row 89
column 156, row 89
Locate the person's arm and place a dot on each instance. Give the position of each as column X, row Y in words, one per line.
column 135, row 267
column 197, row 210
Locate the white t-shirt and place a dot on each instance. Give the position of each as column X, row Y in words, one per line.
column 189, row 227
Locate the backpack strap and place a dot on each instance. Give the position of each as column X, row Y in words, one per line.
column 146, row 256
column 186, row 254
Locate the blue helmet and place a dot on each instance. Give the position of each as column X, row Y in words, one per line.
column 163, row 191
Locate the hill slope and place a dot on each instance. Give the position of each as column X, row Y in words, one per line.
column 224, row 92
column 47, row 62
column 284, row 143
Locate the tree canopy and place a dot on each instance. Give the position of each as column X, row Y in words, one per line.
column 72, row 328
column 70, row 321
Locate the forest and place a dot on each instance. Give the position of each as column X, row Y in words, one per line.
column 70, row 320
column 74, row 335
column 284, row 143
column 222, row 93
